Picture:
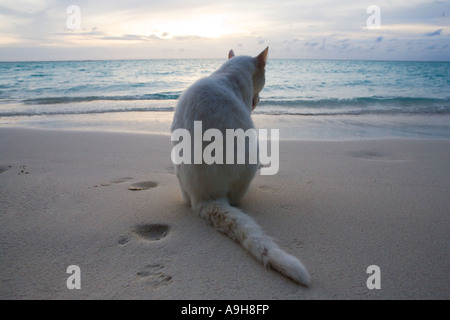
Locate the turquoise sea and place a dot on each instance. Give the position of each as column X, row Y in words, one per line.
column 310, row 99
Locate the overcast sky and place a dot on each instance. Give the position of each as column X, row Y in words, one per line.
column 149, row 29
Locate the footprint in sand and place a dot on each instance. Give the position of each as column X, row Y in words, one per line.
column 368, row 155
column 123, row 240
column 147, row 232
column 145, row 185
column 121, row 180
column 23, row 170
column 138, row 186
column 374, row 156
column 150, row 232
column 4, row 168
column 116, row 181
column 154, row 275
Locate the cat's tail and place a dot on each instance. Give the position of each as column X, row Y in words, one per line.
column 243, row 229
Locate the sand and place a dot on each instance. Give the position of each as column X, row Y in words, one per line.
column 110, row 204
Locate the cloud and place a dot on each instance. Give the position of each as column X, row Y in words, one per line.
column 24, row 7
column 320, row 29
column 79, row 33
column 434, row 33
column 311, row 44
column 126, row 37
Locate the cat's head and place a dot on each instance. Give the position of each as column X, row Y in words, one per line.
column 258, row 78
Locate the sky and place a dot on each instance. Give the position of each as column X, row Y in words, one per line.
column 35, row 30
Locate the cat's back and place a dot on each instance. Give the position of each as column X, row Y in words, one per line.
column 213, row 101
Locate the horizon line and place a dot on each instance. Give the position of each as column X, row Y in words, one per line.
column 147, row 59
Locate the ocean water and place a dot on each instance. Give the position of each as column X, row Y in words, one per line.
column 305, row 98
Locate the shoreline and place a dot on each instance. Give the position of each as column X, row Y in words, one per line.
column 110, row 203
column 292, row 127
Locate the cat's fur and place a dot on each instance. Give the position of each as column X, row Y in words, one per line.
column 225, row 100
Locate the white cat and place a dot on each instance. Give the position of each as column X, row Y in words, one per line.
column 225, row 100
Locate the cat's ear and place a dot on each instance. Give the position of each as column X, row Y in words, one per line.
column 231, row 54
column 262, row 57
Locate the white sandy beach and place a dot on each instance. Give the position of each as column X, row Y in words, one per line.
column 340, row 206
